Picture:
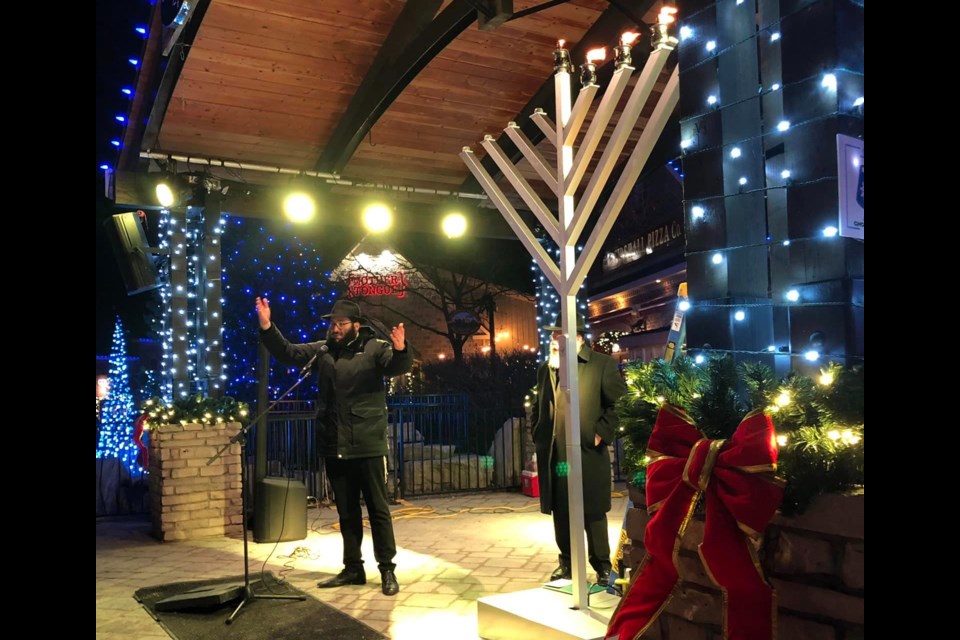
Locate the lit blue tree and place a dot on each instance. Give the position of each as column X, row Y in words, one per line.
column 117, row 411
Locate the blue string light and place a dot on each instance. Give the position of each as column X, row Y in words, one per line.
column 281, row 278
column 117, row 411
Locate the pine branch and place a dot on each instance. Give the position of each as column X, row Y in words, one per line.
column 819, row 422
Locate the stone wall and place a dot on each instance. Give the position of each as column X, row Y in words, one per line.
column 190, row 499
column 815, row 562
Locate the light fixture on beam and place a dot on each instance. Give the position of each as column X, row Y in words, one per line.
column 454, row 225
column 299, row 206
column 172, row 190
column 377, row 217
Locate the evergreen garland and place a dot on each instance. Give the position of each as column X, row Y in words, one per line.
column 819, row 423
column 195, row 410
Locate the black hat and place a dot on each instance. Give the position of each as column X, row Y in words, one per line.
column 345, row 308
column 581, row 325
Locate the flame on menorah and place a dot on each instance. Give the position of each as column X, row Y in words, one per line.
column 666, row 15
column 596, row 55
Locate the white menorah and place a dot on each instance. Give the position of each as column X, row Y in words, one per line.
column 565, row 229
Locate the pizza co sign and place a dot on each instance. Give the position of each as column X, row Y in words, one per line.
column 389, row 284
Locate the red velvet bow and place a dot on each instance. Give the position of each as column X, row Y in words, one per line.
column 741, row 497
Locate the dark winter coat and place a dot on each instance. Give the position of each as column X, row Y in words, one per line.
column 600, row 386
column 351, row 403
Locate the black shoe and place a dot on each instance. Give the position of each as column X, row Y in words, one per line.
column 388, row 583
column 561, row 572
column 347, row 576
column 603, row 577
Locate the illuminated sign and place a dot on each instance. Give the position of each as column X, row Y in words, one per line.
column 389, row 284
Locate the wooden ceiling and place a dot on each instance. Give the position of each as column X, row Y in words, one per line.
column 376, row 91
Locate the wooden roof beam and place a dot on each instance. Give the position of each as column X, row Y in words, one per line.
column 412, row 43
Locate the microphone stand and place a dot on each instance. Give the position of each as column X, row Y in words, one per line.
column 241, row 438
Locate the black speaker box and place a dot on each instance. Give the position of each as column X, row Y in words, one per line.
column 279, row 515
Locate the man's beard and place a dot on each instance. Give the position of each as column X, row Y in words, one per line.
column 347, row 338
column 554, row 359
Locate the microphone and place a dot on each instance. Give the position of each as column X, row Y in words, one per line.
column 306, row 368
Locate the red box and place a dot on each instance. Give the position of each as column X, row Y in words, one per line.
column 530, row 483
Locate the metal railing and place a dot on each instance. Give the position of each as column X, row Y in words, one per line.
column 437, row 444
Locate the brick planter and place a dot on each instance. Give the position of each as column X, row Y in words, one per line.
column 189, row 499
column 815, row 562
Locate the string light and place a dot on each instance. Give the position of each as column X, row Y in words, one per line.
column 548, row 307
column 293, row 274
column 117, row 411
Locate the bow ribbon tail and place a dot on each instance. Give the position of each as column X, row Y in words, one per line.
column 731, row 561
column 657, row 576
